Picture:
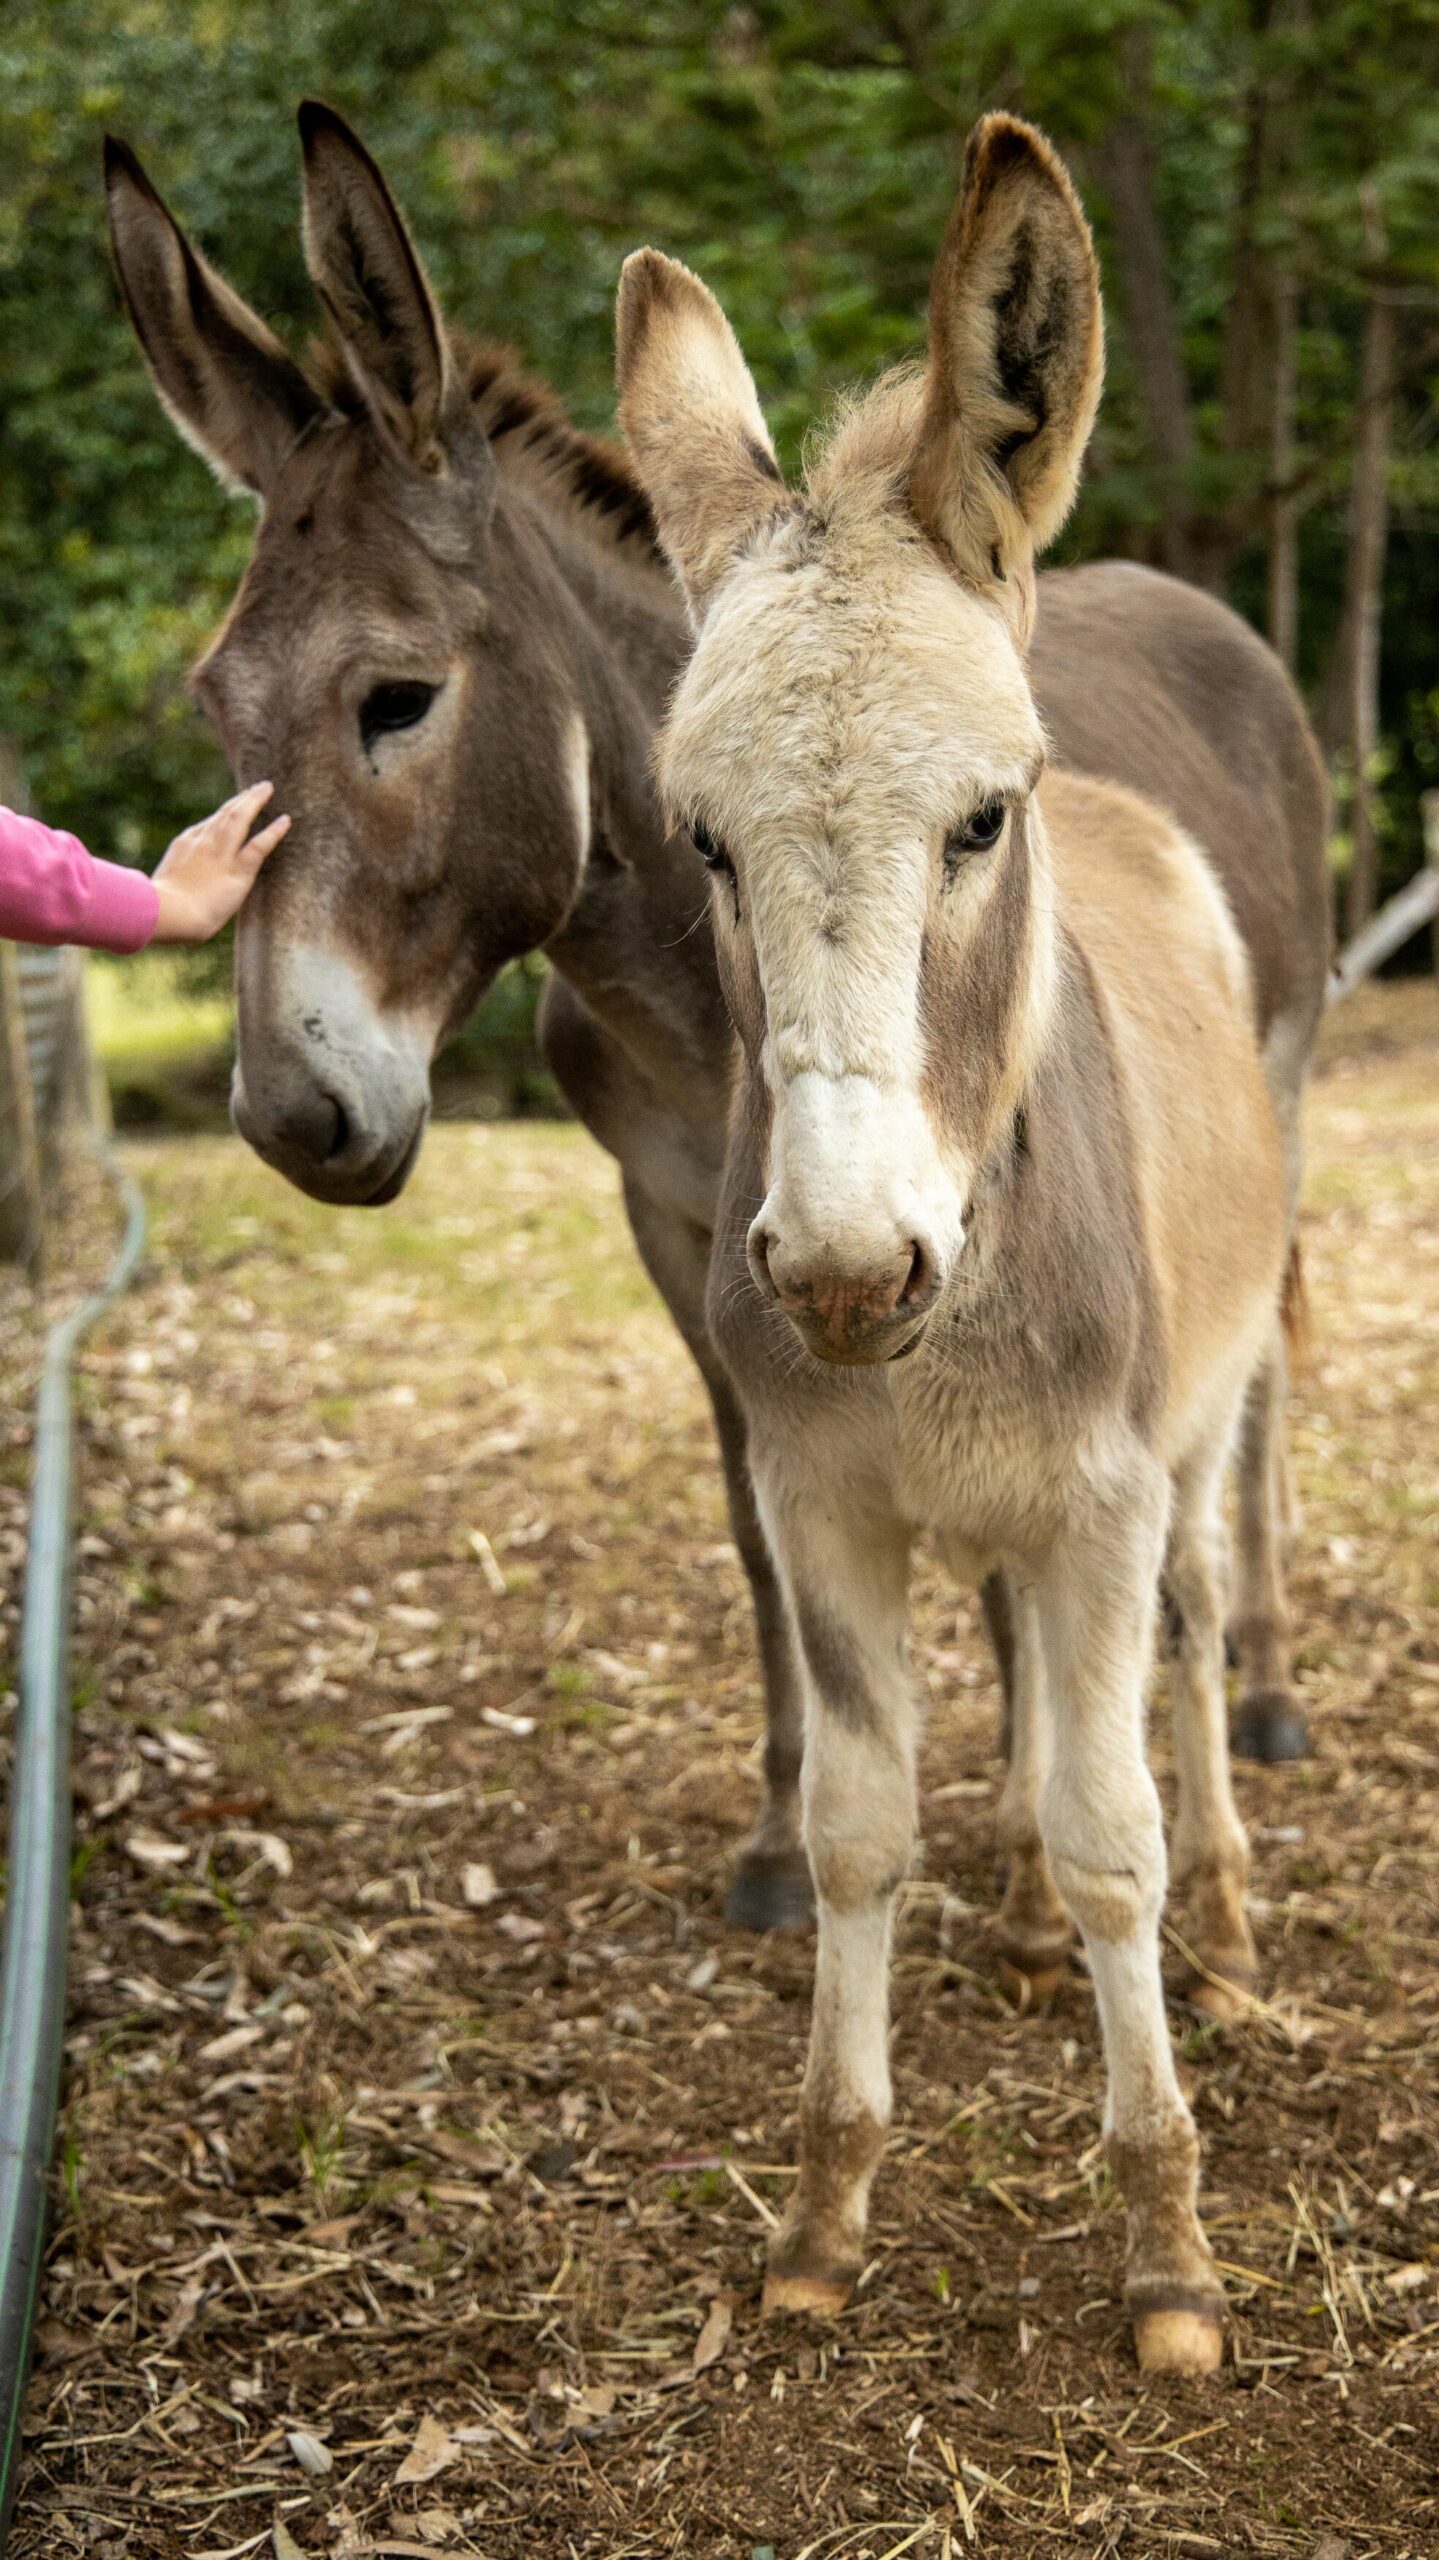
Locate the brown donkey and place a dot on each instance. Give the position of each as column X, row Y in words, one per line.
column 1006, row 1210
column 451, row 649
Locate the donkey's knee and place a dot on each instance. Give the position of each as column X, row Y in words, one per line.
column 1107, row 1862
column 859, row 1824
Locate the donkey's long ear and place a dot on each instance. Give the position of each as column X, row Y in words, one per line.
column 228, row 384
column 1016, row 356
column 692, row 419
column 367, row 272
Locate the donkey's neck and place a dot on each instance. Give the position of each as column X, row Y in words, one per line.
column 636, row 945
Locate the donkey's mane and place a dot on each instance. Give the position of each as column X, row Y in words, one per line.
column 526, row 423
column 858, row 464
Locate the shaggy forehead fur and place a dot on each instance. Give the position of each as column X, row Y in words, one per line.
column 843, row 676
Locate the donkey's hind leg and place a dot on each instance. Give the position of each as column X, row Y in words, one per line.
column 1268, row 1721
column 1208, row 1852
column 1099, row 1815
column 770, row 1887
column 1035, row 1931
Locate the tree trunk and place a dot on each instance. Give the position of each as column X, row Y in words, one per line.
column 1246, row 320
column 1368, row 537
column 1284, row 504
column 1128, row 177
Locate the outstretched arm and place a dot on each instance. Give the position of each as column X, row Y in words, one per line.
column 52, row 890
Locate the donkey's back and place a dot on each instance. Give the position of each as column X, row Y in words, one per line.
column 1196, row 712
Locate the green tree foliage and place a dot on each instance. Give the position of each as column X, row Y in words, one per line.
column 802, row 153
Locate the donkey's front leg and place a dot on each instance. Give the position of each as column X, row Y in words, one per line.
column 848, row 1588
column 1100, row 1821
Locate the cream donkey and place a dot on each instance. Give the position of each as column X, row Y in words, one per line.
column 1005, row 1211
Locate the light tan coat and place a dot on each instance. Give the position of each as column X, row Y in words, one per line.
column 1006, row 1206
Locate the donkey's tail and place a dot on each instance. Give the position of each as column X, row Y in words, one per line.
column 1295, row 1314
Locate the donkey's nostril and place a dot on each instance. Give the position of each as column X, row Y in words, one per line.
column 340, row 1137
column 759, row 1244
column 921, row 1280
column 311, row 1125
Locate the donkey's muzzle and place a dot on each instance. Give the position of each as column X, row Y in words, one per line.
column 326, row 1142
column 329, row 1088
column 843, row 1313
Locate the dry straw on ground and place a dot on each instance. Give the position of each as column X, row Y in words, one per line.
column 424, row 2124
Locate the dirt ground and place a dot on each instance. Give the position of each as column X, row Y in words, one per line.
column 423, row 2120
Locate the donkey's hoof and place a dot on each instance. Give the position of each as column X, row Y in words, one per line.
column 1222, row 1996
column 825, row 2296
column 1179, row 2340
column 1269, row 1725
column 771, row 1889
column 1029, row 1987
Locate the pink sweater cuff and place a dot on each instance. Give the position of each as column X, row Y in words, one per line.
column 52, row 890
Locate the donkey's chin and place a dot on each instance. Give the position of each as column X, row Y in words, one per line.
column 874, row 1348
column 394, row 1182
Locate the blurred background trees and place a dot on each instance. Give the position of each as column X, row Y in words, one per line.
column 1263, row 176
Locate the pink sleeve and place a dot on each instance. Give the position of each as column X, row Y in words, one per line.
column 52, row 890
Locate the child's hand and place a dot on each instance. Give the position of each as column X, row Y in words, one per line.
column 210, row 870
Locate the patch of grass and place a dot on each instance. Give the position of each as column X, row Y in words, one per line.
column 164, row 1043
column 699, row 2188
column 322, row 2151
column 72, row 2167
column 147, row 1011
column 587, row 1715
column 82, row 1859
column 568, row 1679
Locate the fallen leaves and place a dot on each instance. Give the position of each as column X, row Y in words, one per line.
column 156, row 1854
column 432, row 2452
column 481, row 1548
column 714, row 2336
column 536, row 2157
column 312, row 2456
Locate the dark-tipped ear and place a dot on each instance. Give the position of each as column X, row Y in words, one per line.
column 692, row 418
column 229, row 385
column 1016, row 356
column 366, row 271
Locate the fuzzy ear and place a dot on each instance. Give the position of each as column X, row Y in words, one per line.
column 229, row 385
column 692, row 419
column 366, row 271
column 1016, row 357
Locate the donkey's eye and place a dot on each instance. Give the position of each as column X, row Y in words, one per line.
column 393, row 706
column 709, row 848
column 975, row 834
